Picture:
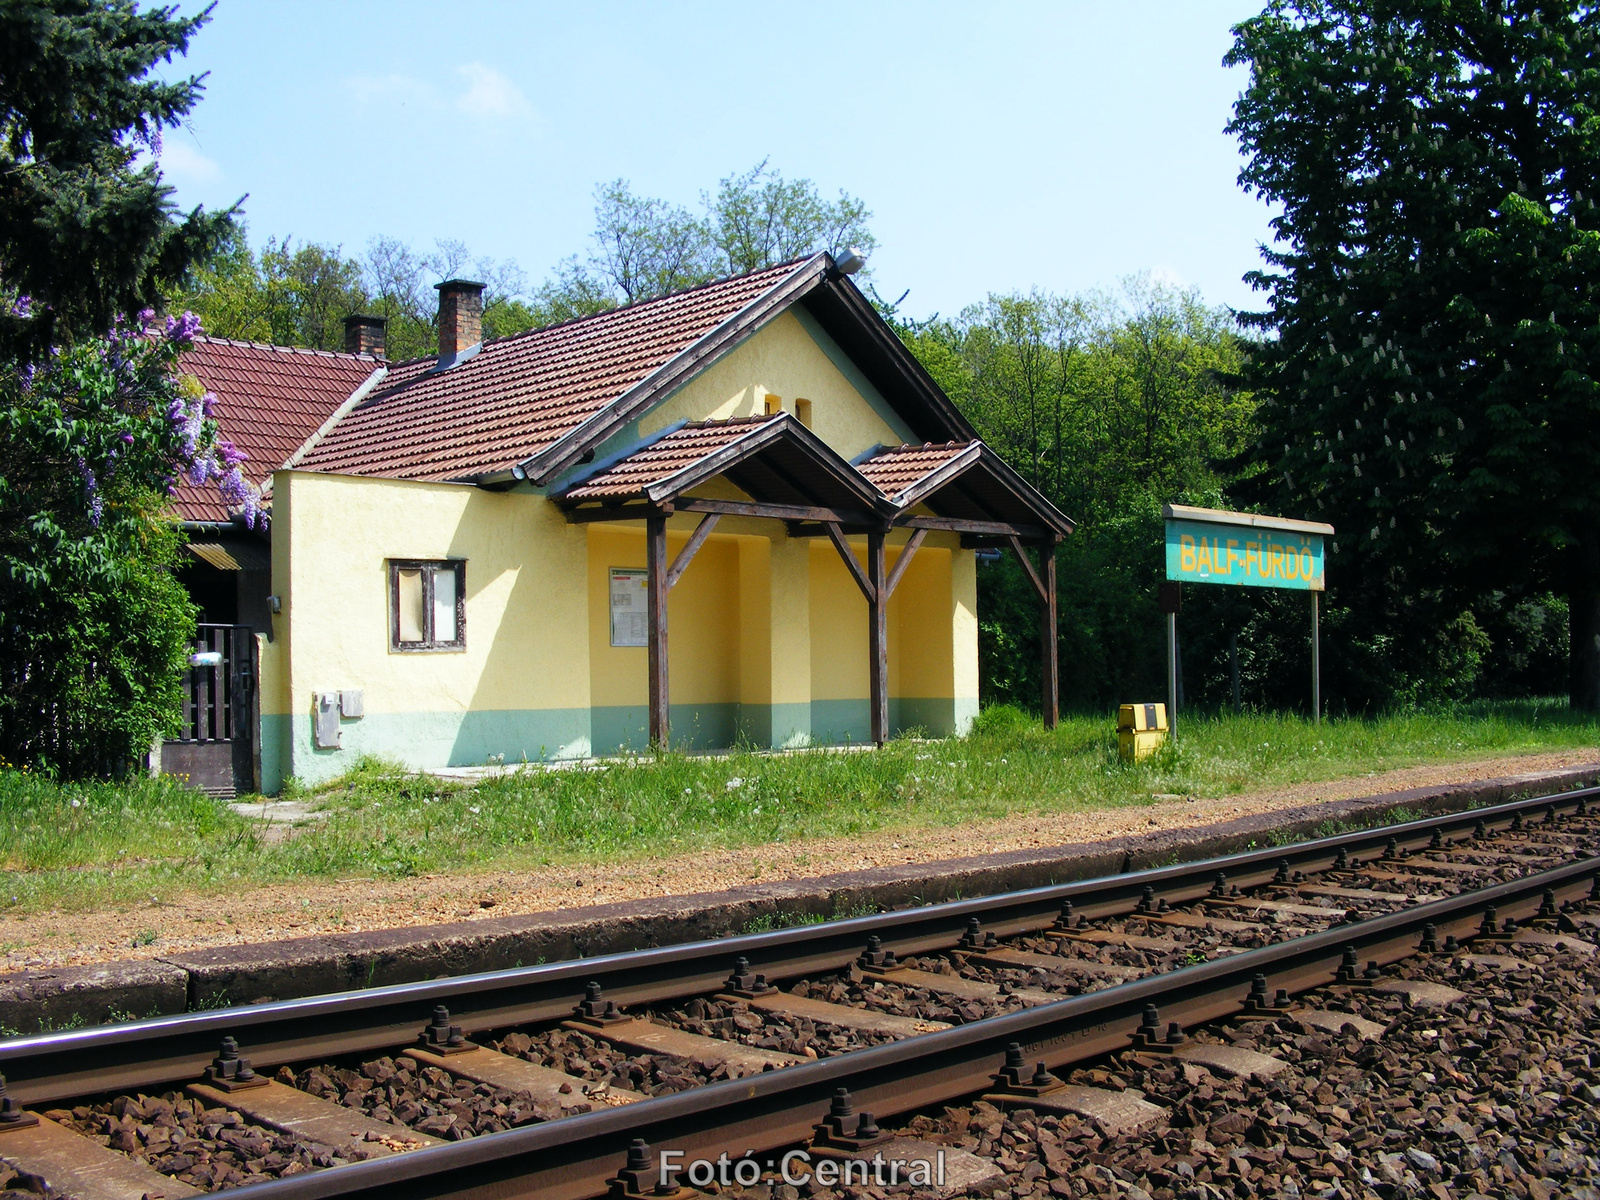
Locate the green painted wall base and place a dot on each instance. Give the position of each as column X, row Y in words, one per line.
column 626, row 728
column 429, row 740
column 424, row 740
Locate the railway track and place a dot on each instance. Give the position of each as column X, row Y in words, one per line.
column 560, row 1080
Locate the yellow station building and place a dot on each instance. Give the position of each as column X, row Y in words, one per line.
column 736, row 515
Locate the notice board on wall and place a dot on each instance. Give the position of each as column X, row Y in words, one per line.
column 630, row 624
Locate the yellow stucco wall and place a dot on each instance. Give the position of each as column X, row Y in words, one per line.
column 781, row 359
column 838, row 627
column 526, row 625
column 919, row 627
column 964, row 636
column 702, row 622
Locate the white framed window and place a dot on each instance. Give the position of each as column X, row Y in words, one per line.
column 427, row 604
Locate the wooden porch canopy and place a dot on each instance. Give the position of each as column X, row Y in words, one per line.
column 790, row 475
column 969, row 489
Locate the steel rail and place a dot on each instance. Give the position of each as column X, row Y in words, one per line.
column 574, row 1158
column 58, row 1066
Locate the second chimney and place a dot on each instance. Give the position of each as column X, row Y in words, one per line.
column 460, row 316
column 363, row 334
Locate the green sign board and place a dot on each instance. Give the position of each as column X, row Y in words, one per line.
column 1242, row 549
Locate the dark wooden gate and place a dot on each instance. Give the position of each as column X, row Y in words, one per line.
column 216, row 749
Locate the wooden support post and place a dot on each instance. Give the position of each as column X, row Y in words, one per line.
column 1027, row 567
column 1049, row 643
column 907, row 553
column 656, row 587
column 878, row 637
column 868, row 588
column 685, row 556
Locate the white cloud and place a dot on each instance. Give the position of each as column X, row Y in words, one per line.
column 182, row 160
column 491, row 95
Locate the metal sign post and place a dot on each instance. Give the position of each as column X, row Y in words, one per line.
column 1316, row 663
column 1172, row 676
column 1172, row 604
column 1208, row 545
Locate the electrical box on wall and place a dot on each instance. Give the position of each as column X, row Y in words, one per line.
column 350, row 703
column 325, row 731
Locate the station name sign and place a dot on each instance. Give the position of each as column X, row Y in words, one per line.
column 1206, row 545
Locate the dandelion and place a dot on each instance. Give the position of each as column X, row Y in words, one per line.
column 76, row 803
column 734, row 784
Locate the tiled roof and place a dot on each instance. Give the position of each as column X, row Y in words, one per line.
column 519, row 394
column 893, row 470
column 628, row 477
column 270, row 399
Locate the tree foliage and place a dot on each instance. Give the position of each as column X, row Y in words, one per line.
column 1429, row 385
column 93, row 626
column 643, row 247
column 298, row 294
column 293, row 294
column 86, row 231
column 1110, row 406
column 96, row 427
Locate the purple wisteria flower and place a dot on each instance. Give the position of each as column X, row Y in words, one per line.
column 91, row 491
column 183, row 328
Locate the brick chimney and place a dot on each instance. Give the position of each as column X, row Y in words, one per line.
column 460, row 316
column 363, row 334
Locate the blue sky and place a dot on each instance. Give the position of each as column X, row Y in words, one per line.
column 1000, row 146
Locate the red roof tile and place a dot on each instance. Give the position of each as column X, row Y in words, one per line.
column 893, row 470
column 270, row 399
column 520, row 394
column 628, row 477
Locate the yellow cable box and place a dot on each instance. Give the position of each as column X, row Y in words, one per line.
column 1141, row 730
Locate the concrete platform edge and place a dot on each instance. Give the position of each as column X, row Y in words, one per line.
column 64, row 997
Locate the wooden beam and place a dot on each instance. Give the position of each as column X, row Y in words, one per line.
column 962, row 525
column 776, row 512
column 1022, row 557
column 656, row 614
column 686, row 555
column 1049, row 641
column 904, row 561
column 836, row 535
column 610, row 512
column 878, row 637
column 810, row 529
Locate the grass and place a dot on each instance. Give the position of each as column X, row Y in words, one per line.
column 79, row 846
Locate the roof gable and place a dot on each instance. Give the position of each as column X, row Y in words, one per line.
column 775, row 458
column 964, row 480
column 519, row 397
column 531, row 405
column 269, row 401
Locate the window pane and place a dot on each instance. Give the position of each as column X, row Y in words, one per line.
column 444, row 604
column 409, row 586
